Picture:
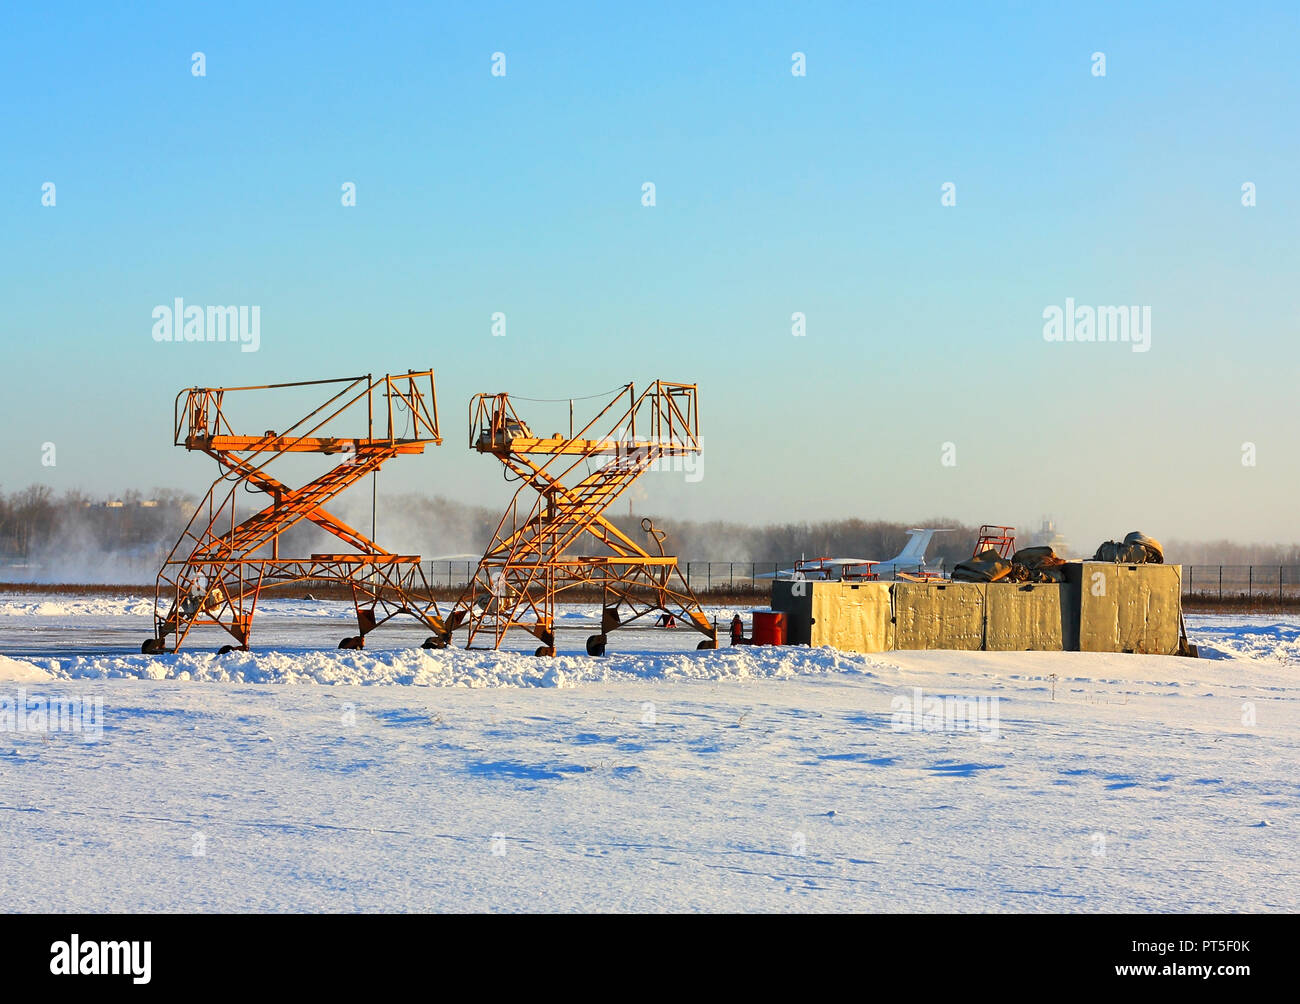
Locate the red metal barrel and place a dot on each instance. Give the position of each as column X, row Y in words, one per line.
column 769, row 627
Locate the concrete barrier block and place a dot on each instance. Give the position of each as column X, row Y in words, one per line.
column 852, row 616
column 1024, row 616
column 794, row 599
column 1128, row 608
column 939, row 615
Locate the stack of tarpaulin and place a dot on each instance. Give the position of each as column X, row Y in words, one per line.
column 1135, row 549
column 1029, row 564
column 1042, row 564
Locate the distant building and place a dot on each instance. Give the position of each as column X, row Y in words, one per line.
column 1052, row 537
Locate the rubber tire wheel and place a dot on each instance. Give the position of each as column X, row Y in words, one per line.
column 433, row 641
column 354, row 642
column 153, row 646
column 706, row 645
column 596, row 644
column 545, row 650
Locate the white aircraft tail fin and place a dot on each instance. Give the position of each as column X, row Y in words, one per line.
column 913, row 552
column 918, row 541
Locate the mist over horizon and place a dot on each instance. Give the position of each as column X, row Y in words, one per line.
column 76, row 538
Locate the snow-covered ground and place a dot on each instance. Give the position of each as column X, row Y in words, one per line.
column 67, row 608
column 655, row 778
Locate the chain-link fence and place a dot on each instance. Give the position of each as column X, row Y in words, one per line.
column 702, row 576
column 1251, row 581
column 1279, row 582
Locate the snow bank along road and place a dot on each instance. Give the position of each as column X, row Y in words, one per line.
column 653, row 779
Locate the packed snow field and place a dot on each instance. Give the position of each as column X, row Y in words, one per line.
column 654, row 778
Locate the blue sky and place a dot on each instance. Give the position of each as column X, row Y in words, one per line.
column 774, row 194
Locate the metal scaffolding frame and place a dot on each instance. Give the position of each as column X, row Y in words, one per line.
column 220, row 565
column 560, row 503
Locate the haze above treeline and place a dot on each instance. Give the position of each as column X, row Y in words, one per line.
column 74, row 538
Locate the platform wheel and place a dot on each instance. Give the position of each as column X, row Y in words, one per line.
column 433, row 641
column 596, row 644
column 545, row 650
column 354, row 641
column 706, row 645
column 224, row 649
column 153, row 646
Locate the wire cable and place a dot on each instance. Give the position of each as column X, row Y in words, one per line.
column 561, row 400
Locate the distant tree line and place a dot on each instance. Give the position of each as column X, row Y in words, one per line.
column 38, row 528
column 75, row 537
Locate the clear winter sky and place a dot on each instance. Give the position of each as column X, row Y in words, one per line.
column 775, row 194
